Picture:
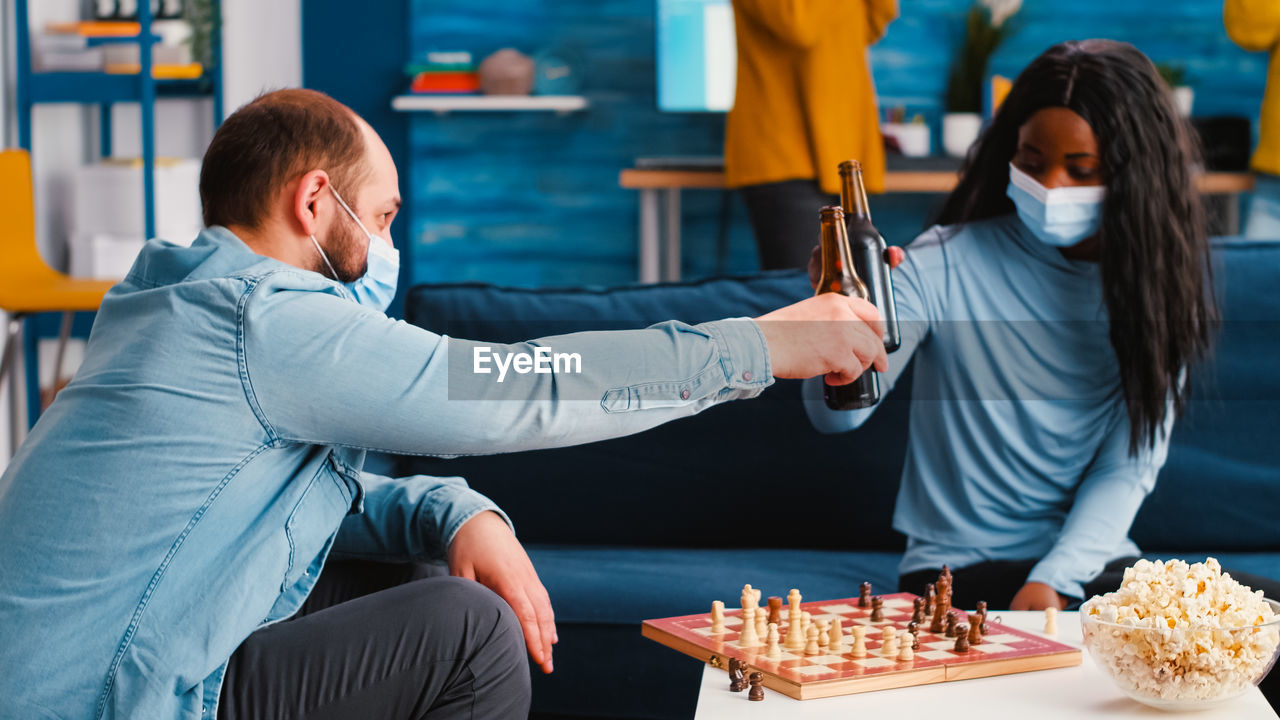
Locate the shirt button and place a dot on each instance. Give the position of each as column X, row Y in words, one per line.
column 684, row 394
column 746, row 375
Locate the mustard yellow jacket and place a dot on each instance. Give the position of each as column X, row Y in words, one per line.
column 805, row 99
column 1255, row 25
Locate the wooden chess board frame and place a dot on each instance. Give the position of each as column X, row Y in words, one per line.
column 1004, row 651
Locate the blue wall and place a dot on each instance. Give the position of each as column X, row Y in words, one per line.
column 533, row 199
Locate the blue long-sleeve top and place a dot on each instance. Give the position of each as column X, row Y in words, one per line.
column 1019, row 434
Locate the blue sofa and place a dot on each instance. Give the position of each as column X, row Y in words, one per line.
column 652, row 525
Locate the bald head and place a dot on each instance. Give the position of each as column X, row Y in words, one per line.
column 271, row 142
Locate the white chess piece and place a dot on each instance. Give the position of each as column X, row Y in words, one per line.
column 774, row 650
column 859, row 641
column 824, row 634
column 811, row 641
column 795, row 630
column 1051, row 621
column 889, row 644
column 836, row 635
column 747, row 637
column 762, row 622
column 906, row 654
column 717, row 617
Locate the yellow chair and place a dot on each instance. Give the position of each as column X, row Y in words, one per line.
column 28, row 285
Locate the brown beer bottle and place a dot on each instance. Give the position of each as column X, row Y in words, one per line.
column 868, row 249
column 838, row 277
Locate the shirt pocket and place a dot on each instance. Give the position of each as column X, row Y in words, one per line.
column 314, row 521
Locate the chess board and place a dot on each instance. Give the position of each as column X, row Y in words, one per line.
column 1004, row 651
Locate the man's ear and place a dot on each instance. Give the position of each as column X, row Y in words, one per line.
column 305, row 196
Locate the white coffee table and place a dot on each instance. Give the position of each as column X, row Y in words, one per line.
column 1077, row 692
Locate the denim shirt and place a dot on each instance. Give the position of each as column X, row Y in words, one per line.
column 186, row 488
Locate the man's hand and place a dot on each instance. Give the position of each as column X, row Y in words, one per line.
column 1037, row 596
column 896, row 256
column 484, row 549
column 829, row 334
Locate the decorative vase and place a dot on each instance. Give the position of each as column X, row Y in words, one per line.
column 959, row 132
column 1184, row 97
column 912, row 138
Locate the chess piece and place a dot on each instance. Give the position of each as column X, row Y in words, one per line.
column 907, row 653
column 762, row 623
column 864, row 595
column 774, row 650
column 747, row 636
column 917, row 610
column 836, row 635
column 915, row 640
column 775, row 610
column 962, row 638
column 889, row 643
column 859, row 641
column 939, row 617
column 982, row 610
column 975, row 630
column 795, row 633
column 737, row 675
column 811, row 641
column 757, row 686
column 930, row 594
column 952, row 618
column 1051, row 621
column 805, row 619
column 824, row 635
column 717, row 617
column 877, row 609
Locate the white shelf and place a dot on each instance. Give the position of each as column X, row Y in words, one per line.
column 441, row 104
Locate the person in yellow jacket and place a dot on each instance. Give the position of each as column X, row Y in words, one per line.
column 805, row 102
column 1255, row 25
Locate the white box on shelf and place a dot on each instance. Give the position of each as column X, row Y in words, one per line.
column 107, row 220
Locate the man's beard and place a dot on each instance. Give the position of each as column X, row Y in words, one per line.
column 346, row 252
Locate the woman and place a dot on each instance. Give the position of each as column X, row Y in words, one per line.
column 1050, row 316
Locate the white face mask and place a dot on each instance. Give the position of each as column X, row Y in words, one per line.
column 377, row 287
column 1061, row 216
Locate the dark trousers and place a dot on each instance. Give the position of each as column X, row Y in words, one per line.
column 998, row 581
column 784, row 219
column 383, row 641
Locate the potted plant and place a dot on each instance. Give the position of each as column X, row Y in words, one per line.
column 986, row 26
column 1175, row 77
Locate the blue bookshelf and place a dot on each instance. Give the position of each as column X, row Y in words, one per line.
column 103, row 90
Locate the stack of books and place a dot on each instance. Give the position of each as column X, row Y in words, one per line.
column 444, row 73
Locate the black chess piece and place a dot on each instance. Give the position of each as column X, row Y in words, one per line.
column 737, row 675
column 962, row 638
column 757, row 689
column 952, row 618
column 877, row 609
column 864, row 595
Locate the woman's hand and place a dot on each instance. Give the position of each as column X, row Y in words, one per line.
column 1037, row 596
column 896, row 256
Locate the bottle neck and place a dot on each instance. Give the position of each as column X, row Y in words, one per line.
column 853, row 196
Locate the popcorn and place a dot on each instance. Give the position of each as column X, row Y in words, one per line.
column 1188, row 632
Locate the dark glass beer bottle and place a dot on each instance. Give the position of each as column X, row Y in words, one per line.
column 868, row 249
column 838, row 277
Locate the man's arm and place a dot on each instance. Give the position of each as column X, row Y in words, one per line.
column 320, row 369
column 1252, row 24
column 1106, row 502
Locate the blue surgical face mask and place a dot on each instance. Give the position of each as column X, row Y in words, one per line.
column 377, row 287
column 1060, row 217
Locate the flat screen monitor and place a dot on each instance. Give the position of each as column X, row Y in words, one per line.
column 697, row 55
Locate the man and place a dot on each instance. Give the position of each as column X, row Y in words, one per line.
column 183, row 494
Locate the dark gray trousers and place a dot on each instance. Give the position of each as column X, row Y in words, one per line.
column 784, row 219
column 383, row 641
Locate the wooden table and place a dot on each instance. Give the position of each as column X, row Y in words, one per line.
column 1064, row 694
column 660, row 221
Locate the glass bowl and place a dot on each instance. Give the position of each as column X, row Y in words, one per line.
column 1185, row 667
